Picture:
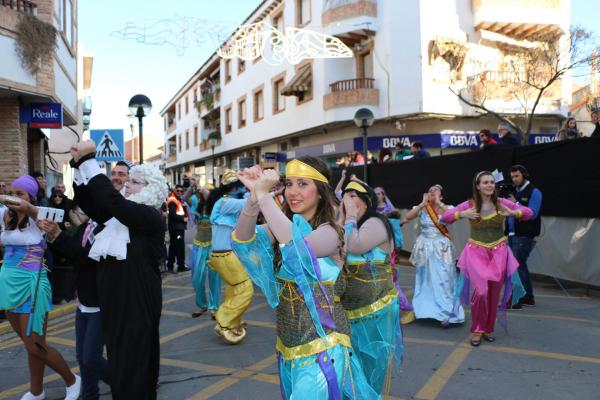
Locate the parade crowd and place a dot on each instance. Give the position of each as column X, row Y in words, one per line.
column 327, row 260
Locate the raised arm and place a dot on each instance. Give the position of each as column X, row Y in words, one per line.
column 453, row 214
column 246, row 224
column 370, row 235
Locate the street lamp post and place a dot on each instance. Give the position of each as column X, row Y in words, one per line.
column 363, row 118
column 213, row 142
column 140, row 106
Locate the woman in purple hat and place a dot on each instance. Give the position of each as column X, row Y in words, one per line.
column 24, row 288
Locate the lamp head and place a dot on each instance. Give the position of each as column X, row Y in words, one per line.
column 363, row 118
column 140, row 105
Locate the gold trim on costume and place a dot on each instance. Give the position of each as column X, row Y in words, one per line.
column 202, row 244
column 519, row 214
column 298, row 169
column 373, row 307
column 235, row 238
column 456, row 217
column 313, row 347
column 355, row 186
column 488, row 245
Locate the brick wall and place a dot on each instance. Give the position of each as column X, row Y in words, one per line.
column 13, row 140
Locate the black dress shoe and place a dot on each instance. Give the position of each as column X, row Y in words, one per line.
column 475, row 342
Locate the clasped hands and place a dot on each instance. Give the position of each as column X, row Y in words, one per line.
column 81, row 149
column 260, row 182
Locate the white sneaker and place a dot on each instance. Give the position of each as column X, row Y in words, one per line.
column 74, row 390
column 29, row 396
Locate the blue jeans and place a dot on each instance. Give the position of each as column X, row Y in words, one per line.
column 521, row 247
column 89, row 348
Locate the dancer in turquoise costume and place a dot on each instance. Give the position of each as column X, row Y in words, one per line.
column 434, row 257
column 25, row 292
column 296, row 259
column 200, row 255
column 371, row 298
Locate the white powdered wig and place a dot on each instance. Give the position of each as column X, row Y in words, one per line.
column 155, row 193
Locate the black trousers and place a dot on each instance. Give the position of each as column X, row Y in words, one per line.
column 176, row 249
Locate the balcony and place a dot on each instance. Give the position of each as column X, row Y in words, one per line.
column 520, row 19
column 349, row 16
column 21, row 6
column 351, row 92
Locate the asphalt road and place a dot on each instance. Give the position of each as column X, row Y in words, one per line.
column 551, row 351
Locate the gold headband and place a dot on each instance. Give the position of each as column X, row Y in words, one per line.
column 356, row 186
column 298, row 169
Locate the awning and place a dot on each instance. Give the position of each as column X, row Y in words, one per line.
column 300, row 83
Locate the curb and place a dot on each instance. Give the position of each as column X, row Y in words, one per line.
column 55, row 313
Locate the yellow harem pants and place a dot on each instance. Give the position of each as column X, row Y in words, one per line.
column 238, row 288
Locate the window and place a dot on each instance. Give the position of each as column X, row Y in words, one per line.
column 258, row 104
column 228, row 119
column 242, row 112
column 66, row 23
column 278, row 98
column 178, row 110
column 227, row 70
column 187, row 139
column 195, row 96
column 179, row 140
column 187, row 105
column 302, row 12
column 196, row 136
column 278, row 24
column 241, row 65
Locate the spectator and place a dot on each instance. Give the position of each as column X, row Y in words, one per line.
column 357, row 158
column 486, row 139
column 569, row 130
column 58, row 200
column 41, row 199
column 385, row 155
column 401, row 152
column 417, row 150
column 3, row 189
column 506, row 137
column 177, row 222
column 60, row 187
column 596, row 121
column 120, row 175
column 522, row 234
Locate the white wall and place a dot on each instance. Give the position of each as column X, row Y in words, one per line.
column 10, row 66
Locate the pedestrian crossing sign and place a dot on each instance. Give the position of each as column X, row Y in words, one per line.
column 109, row 144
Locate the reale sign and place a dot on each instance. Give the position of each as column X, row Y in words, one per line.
column 42, row 115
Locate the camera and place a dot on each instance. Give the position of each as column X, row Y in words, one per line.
column 505, row 190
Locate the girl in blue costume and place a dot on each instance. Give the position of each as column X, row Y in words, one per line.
column 434, row 258
column 296, row 259
column 200, row 256
column 24, row 288
column 371, row 299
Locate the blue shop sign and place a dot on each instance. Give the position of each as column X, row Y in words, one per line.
column 42, row 115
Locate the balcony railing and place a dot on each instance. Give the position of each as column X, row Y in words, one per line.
column 21, row 6
column 352, row 84
column 338, row 10
column 351, row 92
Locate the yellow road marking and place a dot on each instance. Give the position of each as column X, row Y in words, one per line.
column 22, row 388
column 59, row 340
column 177, row 287
column 176, row 299
column 429, row 341
column 556, row 317
column 176, row 313
column 225, row 383
column 440, row 378
column 543, row 354
column 261, row 323
column 213, row 369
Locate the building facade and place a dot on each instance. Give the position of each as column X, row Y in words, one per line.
column 408, row 59
column 25, row 80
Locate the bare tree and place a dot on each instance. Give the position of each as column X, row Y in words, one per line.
column 529, row 75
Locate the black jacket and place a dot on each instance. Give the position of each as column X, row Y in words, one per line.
column 532, row 227
column 510, row 139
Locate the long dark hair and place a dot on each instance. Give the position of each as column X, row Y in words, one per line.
column 219, row 192
column 370, row 199
column 13, row 219
column 326, row 208
column 477, row 200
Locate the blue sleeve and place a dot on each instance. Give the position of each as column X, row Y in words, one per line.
column 535, row 202
column 232, row 206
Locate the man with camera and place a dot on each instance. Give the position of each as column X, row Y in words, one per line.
column 522, row 234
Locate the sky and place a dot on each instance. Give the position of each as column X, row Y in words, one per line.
column 125, row 67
